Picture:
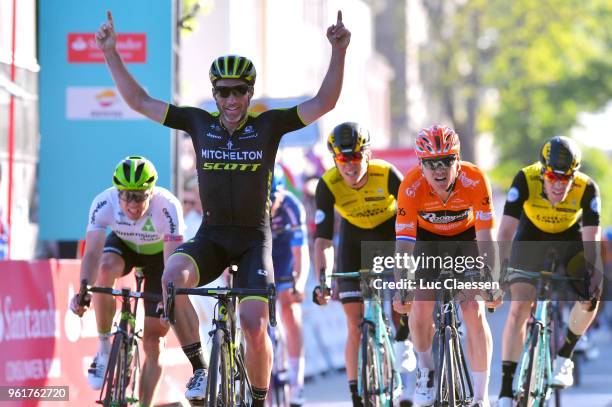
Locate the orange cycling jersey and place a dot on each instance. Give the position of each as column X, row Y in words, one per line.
column 419, row 207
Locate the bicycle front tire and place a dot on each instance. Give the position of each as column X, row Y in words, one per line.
column 526, row 396
column 370, row 384
column 451, row 366
column 219, row 376
column 114, row 383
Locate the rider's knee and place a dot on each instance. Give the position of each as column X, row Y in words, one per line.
column 109, row 271
column 519, row 311
column 254, row 327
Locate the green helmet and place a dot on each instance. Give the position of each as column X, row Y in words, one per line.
column 135, row 173
column 232, row 67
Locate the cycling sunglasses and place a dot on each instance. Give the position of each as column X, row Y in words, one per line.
column 134, row 196
column 553, row 177
column 353, row 158
column 435, row 163
column 226, row 91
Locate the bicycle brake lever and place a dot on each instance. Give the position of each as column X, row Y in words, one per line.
column 169, row 308
column 272, row 304
column 83, row 299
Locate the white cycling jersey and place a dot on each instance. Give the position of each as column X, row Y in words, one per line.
column 163, row 220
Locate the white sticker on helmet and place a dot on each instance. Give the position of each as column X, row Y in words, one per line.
column 513, row 194
column 319, row 216
column 596, row 204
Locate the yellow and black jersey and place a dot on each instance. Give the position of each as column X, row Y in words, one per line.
column 366, row 207
column 539, row 219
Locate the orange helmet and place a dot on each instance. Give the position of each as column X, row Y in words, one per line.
column 437, row 141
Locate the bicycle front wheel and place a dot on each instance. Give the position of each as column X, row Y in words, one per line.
column 369, row 368
column 219, row 377
column 527, row 390
column 450, row 365
column 115, row 378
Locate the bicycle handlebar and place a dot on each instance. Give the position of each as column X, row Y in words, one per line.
column 124, row 292
column 218, row 292
column 547, row 275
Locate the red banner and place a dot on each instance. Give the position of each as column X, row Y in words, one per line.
column 403, row 158
column 44, row 344
column 82, row 48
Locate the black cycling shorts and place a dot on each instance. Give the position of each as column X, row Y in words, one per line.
column 536, row 256
column 152, row 264
column 214, row 248
column 349, row 254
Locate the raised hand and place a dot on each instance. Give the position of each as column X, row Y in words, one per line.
column 106, row 38
column 338, row 35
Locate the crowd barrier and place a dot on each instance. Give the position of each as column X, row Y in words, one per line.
column 42, row 343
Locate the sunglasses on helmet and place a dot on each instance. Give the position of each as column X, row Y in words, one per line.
column 554, row 177
column 226, row 91
column 348, row 158
column 134, row 196
column 435, row 163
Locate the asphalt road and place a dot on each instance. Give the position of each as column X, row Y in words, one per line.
column 595, row 389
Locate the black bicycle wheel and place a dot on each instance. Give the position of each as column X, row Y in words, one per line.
column 527, row 388
column 109, row 392
column 242, row 387
column 388, row 374
column 450, row 373
column 218, row 389
column 370, row 385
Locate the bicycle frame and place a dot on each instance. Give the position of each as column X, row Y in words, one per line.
column 124, row 351
column 450, row 337
column 225, row 333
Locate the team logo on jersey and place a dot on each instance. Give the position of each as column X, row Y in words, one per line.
column 99, row 206
column 596, row 204
column 319, row 216
column 513, row 194
column 215, row 136
column 399, row 227
column 468, row 182
column 441, row 217
column 232, row 154
column 411, row 190
column 248, row 133
column 484, row 216
column 148, row 226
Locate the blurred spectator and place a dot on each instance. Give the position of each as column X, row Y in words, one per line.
column 192, row 208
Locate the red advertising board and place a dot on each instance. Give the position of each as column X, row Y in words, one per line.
column 82, row 48
column 44, row 344
column 403, row 158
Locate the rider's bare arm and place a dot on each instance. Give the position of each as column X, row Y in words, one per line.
column 325, row 100
column 131, row 91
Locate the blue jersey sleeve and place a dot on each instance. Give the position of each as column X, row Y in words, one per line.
column 297, row 219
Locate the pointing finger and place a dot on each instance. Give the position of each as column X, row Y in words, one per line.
column 109, row 17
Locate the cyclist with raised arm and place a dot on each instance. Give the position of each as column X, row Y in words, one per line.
column 363, row 191
column 291, row 261
column 146, row 223
column 550, row 201
column 444, row 201
column 235, row 159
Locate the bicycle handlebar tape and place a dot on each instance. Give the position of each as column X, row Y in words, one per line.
column 272, row 304
column 169, row 309
column 83, row 300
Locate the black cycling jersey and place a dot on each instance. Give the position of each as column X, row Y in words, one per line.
column 580, row 208
column 234, row 171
